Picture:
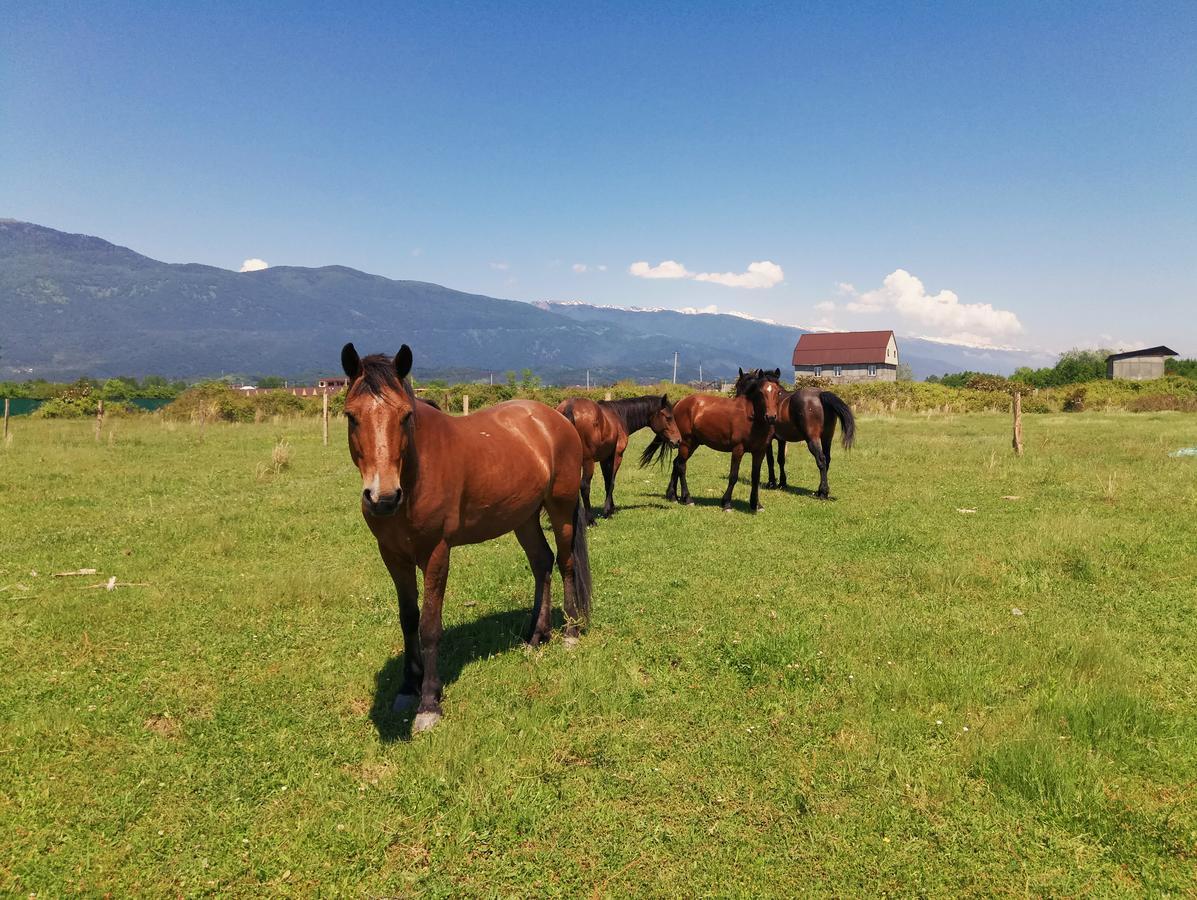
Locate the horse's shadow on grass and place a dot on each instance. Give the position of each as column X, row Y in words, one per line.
column 460, row 645
column 738, row 505
column 799, row 491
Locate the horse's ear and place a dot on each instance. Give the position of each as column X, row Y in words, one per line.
column 350, row 361
column 777, row 372
column 664, row 399
column 403, row 362
column 741, row 372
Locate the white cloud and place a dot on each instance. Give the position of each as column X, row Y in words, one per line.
column 763, row 274
column 667, row 269
column 825, row 306
column 601, row 268
column 253, row 264
column 501, row 266
column 710, row 309
column 943, row 313
column 579, row 267
column 845, row 287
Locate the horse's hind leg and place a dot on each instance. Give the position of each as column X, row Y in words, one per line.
column 608, row 467
column 540, row 558
column 781, row 464
column 733, row 476
column 561, row 516
column 816, row 450
column 587, row 475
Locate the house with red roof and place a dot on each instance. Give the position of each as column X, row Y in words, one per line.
column 846, row 356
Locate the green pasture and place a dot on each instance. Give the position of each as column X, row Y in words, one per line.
column 968, row 674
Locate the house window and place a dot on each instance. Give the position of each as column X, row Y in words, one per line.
column 872, row 370
column 839, row 370
column 818, row 371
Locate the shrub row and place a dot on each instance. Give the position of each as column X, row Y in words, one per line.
column 217, row 402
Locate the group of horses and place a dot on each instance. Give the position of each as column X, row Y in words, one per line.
column 431, row 481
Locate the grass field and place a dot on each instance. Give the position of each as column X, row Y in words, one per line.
column 825, row 698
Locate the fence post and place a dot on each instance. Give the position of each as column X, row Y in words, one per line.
column 465, row 404
column 6, row 417
column 324, row 416
column 1018, row 423
column 99, row 419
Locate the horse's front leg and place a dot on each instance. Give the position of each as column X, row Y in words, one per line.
column 754, row 500
column 781, row 464
column 436, row 573
column 403, row 573
column 732, row 476
column 772, row 482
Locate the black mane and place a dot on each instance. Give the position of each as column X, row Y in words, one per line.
column 636, row 412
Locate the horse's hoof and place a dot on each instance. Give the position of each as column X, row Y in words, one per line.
column 425, row 721
column 570, row 642
column 771, row 486
column 404, row 702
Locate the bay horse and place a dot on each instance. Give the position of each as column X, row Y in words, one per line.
column 604, row 428
column 809, row 415
column 431, row 482
column 736, row 425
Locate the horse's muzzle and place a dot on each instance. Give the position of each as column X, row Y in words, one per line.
column 771, row 419
column 385, row 505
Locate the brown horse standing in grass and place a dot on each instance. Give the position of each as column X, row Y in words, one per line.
column 431, row 482
column 809, row 415
column 604, row 429
column 735, row 425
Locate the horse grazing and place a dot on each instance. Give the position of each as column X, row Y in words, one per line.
column 809, row 415
column 431, row 482
column 604, row 428
column 735, row 425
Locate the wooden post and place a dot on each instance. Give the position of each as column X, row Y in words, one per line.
column 1018, row 423
column 325, row 416
column 465, row 404
column 6, row 417
column 99, row 419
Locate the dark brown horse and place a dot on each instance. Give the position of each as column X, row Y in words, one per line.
column 604, row 428
column 736, row 425
column 809, row 415
column 431, row 482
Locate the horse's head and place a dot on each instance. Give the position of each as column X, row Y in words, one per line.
column 763, row 389
column 379, row 405
column 663, row 425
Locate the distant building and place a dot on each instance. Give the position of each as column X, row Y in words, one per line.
column 1138, row 365
column 846, row 356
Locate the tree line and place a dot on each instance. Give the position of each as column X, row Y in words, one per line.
column 1074, row 366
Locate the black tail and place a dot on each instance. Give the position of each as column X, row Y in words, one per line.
column 659, row 448
column 581, row 556
column 836, row 406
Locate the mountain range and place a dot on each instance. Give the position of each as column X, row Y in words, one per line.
column 73, row 305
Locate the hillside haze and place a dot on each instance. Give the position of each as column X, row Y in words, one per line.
column 75, row 305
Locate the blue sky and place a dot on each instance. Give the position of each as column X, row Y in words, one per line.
column 1021, row 174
